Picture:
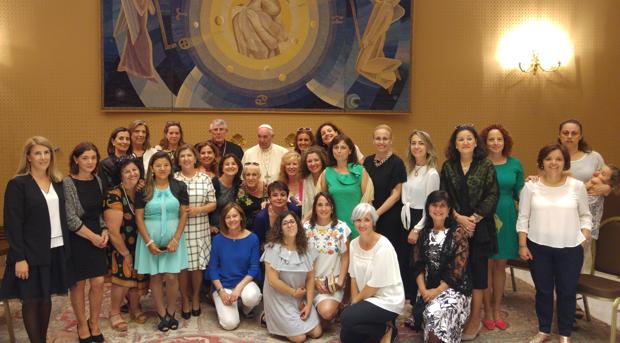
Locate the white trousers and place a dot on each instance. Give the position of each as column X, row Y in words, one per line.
column 228, row 315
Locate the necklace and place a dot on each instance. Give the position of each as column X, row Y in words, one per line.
column 379, row 162
column 127, row 200
column 416, row 170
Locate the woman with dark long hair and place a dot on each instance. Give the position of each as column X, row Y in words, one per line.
column 440, row 270
column 289, row 288
column 161, row 251
column 119, row 145
column 469, row 178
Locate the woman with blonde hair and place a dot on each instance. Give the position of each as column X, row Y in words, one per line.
column 141, row 149
column 422, row 179
column 313, row 162
column 36, row 227
column 290, row 173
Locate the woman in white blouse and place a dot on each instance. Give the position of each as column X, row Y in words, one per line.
column 329, row 236
column 377, row 294
column 554, row 225
column 422, row 179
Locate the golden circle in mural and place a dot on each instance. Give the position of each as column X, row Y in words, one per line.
column 263, row 40
column 230, row 68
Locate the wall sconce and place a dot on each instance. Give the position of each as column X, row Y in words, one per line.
column 536, row 45
column 535, row 65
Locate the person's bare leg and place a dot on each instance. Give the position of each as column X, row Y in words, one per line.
column 473, row 322
column 197, row 276
column 488, row 293
column 186, row 290
column 156, row 284
column 95, row 297
column 327, row 309
column 172, row 291
column 79, row 307
column 316, row 332
column 117, row 294
column 499, row 283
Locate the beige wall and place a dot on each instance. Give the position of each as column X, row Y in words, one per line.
column 50, row 79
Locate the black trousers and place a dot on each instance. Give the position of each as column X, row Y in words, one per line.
column 365, row 322
column 555, row 269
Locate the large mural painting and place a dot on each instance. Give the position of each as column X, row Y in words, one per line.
column 254, row 55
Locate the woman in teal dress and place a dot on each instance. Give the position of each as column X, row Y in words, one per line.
column 161, row 251
column 509, row 173
column 345, row 179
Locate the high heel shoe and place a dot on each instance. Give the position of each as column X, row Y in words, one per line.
column 95, row 338
column 196, row 313
column 173, row 324
column 84, row 340
column 163, row 323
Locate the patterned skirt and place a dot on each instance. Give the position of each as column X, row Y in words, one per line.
column 445, row 316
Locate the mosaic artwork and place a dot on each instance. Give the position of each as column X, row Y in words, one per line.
column 290, row 55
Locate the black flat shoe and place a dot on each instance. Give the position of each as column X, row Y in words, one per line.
column 173, row 324
column 163, row 323
column 196, row 313
column 85, row 340
column 95, row 338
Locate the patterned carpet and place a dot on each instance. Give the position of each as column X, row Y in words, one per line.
column 518, row 312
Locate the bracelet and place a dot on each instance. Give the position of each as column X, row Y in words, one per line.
column 175, row 240
column 149, row 243
column 218, row 290
column 522, row 246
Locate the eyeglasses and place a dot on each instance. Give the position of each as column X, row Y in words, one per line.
column 464, row 126
column 251, row 164
column 173, row 123
column 304, row 129
column 289, row 222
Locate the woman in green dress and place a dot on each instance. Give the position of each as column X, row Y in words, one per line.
column 345, row 179
column 509, row 173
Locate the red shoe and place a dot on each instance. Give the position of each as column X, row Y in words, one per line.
column 489, row 324
column 500, row 324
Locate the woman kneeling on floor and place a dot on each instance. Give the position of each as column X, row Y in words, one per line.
column 377, row 292
column 440, row 263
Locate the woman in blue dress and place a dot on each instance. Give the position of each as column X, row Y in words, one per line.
column 161, row 251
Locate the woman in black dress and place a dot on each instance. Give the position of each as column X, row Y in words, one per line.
column 119, row 144
column 89, row 238
column 388, row 173
column 36, row 228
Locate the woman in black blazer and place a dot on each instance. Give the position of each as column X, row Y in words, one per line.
column 36, row 227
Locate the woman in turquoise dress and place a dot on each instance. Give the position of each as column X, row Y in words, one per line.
column 345, row 179
column 509, row 173
column 161, row 251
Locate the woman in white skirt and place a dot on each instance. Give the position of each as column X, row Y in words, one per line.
column 329, row 236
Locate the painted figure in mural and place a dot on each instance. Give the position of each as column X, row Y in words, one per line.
column 137, row 54
column 371, row 61
column 258, row 28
